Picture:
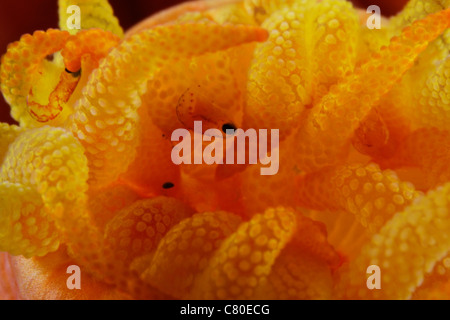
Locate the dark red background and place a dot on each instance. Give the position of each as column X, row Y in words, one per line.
column 25, row 16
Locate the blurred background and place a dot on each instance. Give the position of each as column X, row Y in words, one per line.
column 18, row 17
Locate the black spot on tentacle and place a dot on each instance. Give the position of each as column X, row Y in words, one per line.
column 74, row 74
column 228, row 126
column 168, row 185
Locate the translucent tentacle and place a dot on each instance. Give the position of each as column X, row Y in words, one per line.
column 311, row 237
column 344, row 232
column 428, row 150
column 57, row 99
column 382, row 131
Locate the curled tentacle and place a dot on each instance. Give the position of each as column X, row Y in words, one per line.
column 57, row 99
column 87, row 42
column 369, row 193
column 425, row 87
column 406, row 248
column 106, row 115
column 131, row 237
column 44, row 166
column 137, row 229
column 22, row 66
column 415, row 10
column 29, row 80
column 244, row 260
column 82, row 46
column 291, row 71
column 431, row 96
column 420, row 99
column 26, row 226
column 341, row 109
column 303, row 268
column 382, row 131
column 186, row 250
column 88, row 186
column 52, row 177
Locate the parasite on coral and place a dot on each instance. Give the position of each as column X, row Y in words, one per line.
column 87, row 178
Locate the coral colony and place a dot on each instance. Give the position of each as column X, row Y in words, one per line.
column 349, row 200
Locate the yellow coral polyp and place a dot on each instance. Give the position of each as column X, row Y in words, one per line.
column 86, row 176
